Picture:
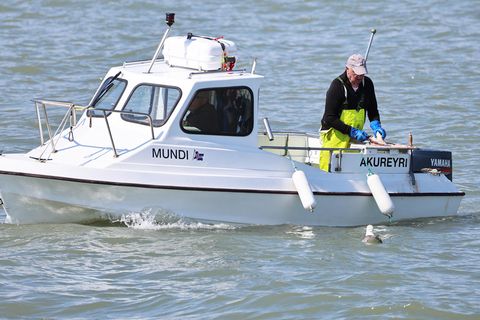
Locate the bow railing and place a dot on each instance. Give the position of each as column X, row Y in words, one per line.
column 70, row 118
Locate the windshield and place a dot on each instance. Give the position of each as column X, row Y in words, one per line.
column 108, row 95
column 154, row 100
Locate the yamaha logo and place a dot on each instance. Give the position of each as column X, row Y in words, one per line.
column 441, row 163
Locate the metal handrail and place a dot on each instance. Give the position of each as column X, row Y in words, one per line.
column 339, row 151
column 150, row 122
column 199, row 73
column 149, row 117
column 41, row 107
column 70, row 114
column 308, row 149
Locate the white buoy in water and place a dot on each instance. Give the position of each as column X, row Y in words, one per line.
column 304, row 191
column 381, row 196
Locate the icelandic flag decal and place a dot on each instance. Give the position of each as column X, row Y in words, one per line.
column 198, row 156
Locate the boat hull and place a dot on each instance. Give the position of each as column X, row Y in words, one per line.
column 36, row 199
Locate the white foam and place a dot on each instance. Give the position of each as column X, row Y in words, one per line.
column 304, row 232
column 148, row 220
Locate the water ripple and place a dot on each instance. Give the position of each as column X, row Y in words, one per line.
column 423, row 62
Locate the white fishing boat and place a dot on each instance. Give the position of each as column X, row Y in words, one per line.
column 142, row 143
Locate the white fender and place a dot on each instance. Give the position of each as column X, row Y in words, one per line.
column 381, row 196
column 304, row 191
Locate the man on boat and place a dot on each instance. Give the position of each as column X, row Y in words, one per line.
column 202, row 115
column 350, row 97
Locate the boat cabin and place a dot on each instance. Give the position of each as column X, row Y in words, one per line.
column 171, row 101
column 180, row 101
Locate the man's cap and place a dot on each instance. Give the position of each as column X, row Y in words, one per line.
column 357, row 63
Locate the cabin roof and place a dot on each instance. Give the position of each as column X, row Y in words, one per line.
column 163, row 73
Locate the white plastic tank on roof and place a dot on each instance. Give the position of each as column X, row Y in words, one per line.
column 201, row 53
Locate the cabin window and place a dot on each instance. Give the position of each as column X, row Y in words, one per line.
column 107, row 96
column 220, row 111
column 153, row 100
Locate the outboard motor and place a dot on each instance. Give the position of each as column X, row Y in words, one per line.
column 432, row 160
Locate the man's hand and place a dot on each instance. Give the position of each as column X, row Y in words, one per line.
column 357, row 134
column 377, row 128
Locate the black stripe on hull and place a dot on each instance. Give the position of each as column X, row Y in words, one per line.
column 155, row 186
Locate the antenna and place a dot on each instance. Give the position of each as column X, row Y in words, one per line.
column 373, row 31
column 254, row 65
column 169, row 20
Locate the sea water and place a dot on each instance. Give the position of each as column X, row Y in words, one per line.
column 424, row 63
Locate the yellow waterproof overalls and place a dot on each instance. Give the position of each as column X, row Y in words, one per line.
column 332, row 138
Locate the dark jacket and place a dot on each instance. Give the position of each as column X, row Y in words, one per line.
column 205, row 119
column 336, row 97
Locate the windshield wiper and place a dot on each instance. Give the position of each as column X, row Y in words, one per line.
column 105, row 88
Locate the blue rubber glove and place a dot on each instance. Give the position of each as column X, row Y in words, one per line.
column 377, row 127
column 357, row 134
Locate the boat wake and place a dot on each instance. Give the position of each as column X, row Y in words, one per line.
column 303, row 232
column 161, row 220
